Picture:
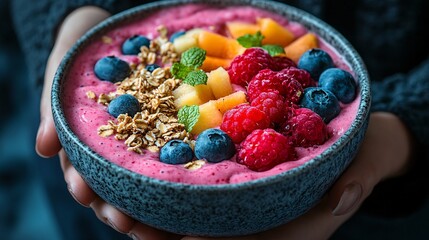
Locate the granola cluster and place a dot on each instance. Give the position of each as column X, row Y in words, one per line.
column 157, row 121
column 159, row 49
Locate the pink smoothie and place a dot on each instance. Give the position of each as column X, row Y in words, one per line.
column 85, row 115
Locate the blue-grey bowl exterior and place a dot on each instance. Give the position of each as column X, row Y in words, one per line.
column 215, row 210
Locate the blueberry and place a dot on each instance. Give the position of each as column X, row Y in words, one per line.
column 176, row 152
column 214, row 145
column 315, row 61
column 122, row 104
column 177, row 34
column 340, row 82
column 322, row 102
column 152, row 67
column 111, row 69
column 132, row 45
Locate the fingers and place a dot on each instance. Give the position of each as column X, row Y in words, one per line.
column 77, row 187
column 74, row 26
column 112, row 216
column 85, row 196
column 47, row 143
column 108, row 214
column 127, row 225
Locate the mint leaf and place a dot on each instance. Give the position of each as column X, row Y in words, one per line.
column 274, row 50
column 193, row 57
column 251, row 40
column 196, row 77
column 188, row 116
column 180, row 71
column 187, row 68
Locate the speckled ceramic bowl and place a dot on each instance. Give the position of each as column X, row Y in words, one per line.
column 216, row 210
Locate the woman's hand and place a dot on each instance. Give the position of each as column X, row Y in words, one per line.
column 385, row 153
column 48, row 145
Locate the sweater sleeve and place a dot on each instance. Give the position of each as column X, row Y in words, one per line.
column 36, row 24
column 407, row 96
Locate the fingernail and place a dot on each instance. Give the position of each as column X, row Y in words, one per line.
column 349, row 199
column 133, row 236
column 73, row 195
column 110, row 223
column 40, row 133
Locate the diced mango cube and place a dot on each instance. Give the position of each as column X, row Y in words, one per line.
column 182, row 90
column 274, row 33
column 187, row 41
column 192, row 95
column 183, row 43
column 301, row 45
column 238, row 29
column 229, row 102
column 204, row 92
column 211, row 63
column 219, row 82
column 219, row 46
column 191, row 98
column 210, row 117
column 195, row 32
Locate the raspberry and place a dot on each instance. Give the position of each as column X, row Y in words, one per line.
column 292, row 90
column 305, row 128
column 272, row 103
column 264, row 149
column 301, row 76
column 268, row 80
column 280, row 63
column 288, row 111
column 242, row 120
column 245, row 66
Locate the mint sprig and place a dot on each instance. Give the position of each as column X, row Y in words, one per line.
column 251, row 40
column 188, row 116
column 274, row 50
column 187, row 68
column 255, row 40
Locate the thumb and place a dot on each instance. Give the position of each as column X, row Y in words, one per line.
column 74, row 26
column 351, row 190
column 384, row 153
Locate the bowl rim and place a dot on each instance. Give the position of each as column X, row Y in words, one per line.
column 284, row 10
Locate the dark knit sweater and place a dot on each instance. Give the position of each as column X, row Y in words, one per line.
column 391, row 36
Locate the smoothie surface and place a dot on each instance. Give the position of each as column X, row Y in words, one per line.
column 85, row 115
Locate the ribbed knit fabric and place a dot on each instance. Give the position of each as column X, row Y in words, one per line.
column 390, row 36
column 407, row 96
